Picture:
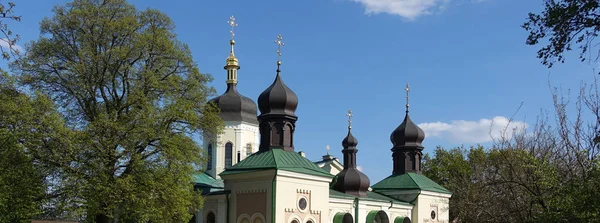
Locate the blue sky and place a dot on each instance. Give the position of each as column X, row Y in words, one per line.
column 466, row 62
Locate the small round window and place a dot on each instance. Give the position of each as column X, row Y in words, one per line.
column 302, row 203
column 432, row 215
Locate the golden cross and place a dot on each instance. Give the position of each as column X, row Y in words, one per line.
column 349, row 118
column 279, row 42
column 232, row 23
column 407, row 89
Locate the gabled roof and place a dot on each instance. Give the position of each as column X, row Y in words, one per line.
column 409, row 181
column 206, row 180
column 371, row 196
column 277, row 159
column 325, row 162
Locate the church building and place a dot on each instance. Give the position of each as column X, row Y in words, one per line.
column 254, row 175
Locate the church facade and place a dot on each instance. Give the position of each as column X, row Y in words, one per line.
column 254, row 175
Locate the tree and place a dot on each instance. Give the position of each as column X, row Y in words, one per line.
column 549, row 173
column 564, row 23
column 133, row 99
column 22, row 180
column 8, row 39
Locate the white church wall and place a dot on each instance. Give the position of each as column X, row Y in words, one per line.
column 291, row 187
column 215, row 204
column 247, row 190
column 431, row 201
column 333, row 167
column 337, row 205
column 240, row 134
column 392, row 211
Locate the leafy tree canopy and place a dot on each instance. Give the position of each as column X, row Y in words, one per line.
column 562, row 25
column 132, row 99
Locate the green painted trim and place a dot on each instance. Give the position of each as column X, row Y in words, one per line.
column 356, row 211
column 402, row 220
column 227, row 196
column 412, row 202
column 338, row 217
column 273, row 187
column 371, row 216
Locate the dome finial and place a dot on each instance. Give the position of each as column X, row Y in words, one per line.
column 279, row 42
column 407, row 89
column 349, row 141
column 231, row 63
column 351, row 180
column 232, row 23
column 349, row 114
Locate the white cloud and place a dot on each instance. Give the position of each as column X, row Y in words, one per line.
column 462, row 131
column 408, row 9
column 4, row 44
column 359, row 168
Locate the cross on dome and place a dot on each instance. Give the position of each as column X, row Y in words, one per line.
column 279, row 42
column 349, row 114
column 232, row 23
column 407, row 89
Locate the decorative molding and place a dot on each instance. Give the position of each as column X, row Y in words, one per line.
column 293, row 217
column 259, row 216
column 315, row 212
column 292, row 210
column 302, row 191
column 303, row 176
column 310, row 218
column 251, row 191
column 242, row 216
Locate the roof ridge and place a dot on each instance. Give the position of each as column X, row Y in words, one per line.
column 275, row 157
column 413, row 179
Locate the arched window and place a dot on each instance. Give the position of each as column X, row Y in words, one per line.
column 343, row 218
column 248, row 149
column 347, row 218
column 258, row 218
column 228, row 154
column 377, row 217
column 210, row 218
column 381, row 217
column 244, row 218
column 209, row 163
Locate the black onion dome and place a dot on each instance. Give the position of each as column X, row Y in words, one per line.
column 352, row 181
column 278, row 99
column 236, row 107
column 350, row 140
column 407, row 134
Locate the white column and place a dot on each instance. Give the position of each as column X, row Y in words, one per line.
column 200, row 216
column 222, row 211
column 219, row 155
column 238, row 143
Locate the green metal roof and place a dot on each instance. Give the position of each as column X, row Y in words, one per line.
column 277, row 159
column 409, row 181
column 371, row 196
column 205, row 179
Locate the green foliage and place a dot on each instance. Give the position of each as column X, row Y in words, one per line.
column 132, row 99
column 23, row 120
column 11, row 39
column 512, row 185
column 564, row 23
